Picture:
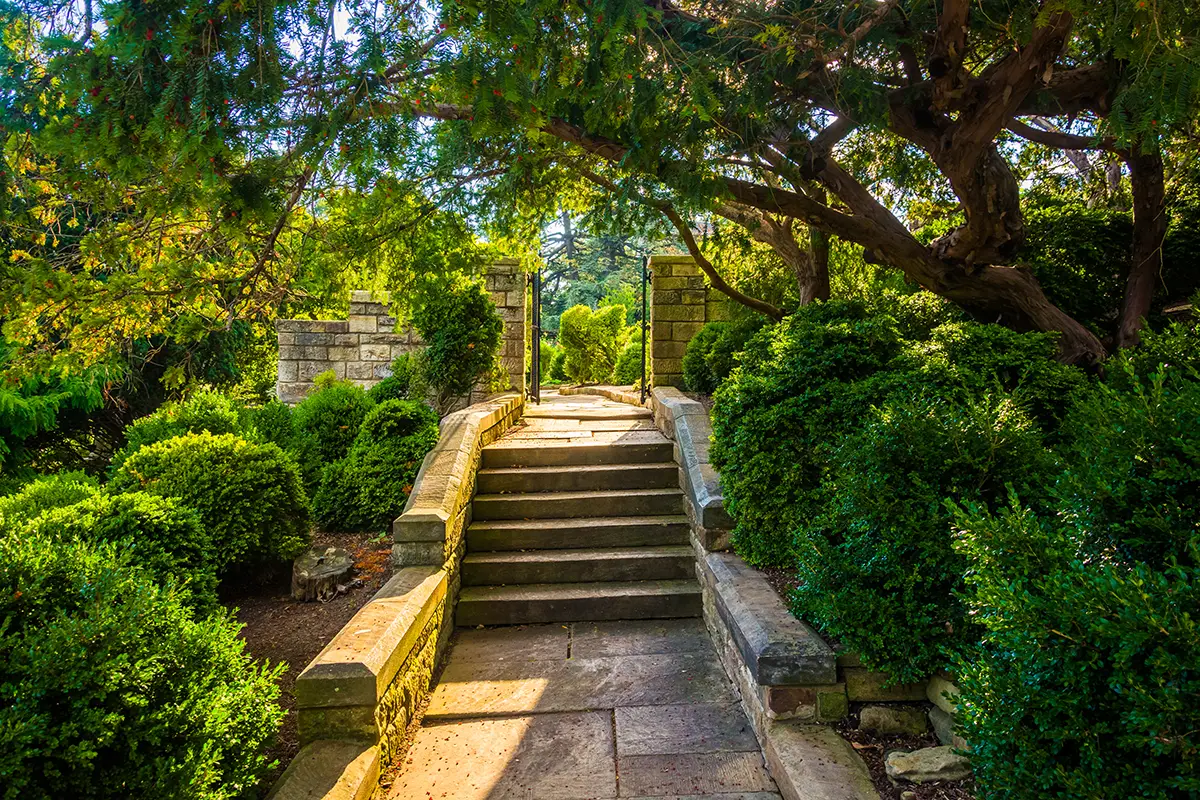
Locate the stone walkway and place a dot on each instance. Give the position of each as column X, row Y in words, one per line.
column 630, row 709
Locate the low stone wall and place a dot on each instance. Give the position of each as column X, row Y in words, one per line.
column 361, row 347
column 357, row 698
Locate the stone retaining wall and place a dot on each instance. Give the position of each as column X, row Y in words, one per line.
column 680, row 304
column 361, row 347
column 357, row 698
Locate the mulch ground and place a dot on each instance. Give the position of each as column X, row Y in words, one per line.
column 873, row 749
column 282, row 630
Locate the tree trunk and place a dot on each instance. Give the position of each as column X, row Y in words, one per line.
column 1149, row 230
column 818, row 248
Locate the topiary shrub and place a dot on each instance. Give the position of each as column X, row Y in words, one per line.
column 628, row 370
column 271, row 423
column 877, row 570
column 461, row 329
column 558, row 368
column 163, row 536
column 112, row 689
column 205, row 411
column 46, row 493
column 591, row 341
column 325, row 424
column 546, row 355
column 722, row 356
column 369, row 487
column 697, row 376
column 249, row 496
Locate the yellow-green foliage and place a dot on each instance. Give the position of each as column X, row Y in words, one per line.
column 592, row 341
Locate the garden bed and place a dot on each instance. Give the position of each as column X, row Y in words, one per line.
column 282, row 630
column 874, row 748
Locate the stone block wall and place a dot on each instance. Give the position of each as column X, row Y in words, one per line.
column 361, row 347
column 680, row 304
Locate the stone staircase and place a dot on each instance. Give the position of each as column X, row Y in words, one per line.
column 577, row 517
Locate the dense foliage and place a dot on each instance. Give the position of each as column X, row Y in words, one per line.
column 249, row 496
column 369, row 487
column 325, row 425
column 1084, row 683
column 160, row 534
column 206, row 411
column 111, row 688
column 591, row 342
column 628, row 369
column 461, row 329
column 841, row 433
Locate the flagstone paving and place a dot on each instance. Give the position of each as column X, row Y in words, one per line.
column 626, row 709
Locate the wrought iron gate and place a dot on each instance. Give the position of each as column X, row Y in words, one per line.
column 645, row 326
column 534, row 386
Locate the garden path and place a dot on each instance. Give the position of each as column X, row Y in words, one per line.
column 569, row 709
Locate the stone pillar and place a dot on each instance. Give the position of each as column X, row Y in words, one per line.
column 680, row 304
column 506, row 284
column 361, row 347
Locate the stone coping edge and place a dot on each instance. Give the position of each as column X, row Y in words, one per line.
column 330, row 770
column 685, row 422
column 777, row 648
column 437, row 491
column 813, row 762
column 358, row 665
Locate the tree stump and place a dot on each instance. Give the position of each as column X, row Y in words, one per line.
column 317, row 574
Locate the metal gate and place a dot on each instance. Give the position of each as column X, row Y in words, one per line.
column 535, row 333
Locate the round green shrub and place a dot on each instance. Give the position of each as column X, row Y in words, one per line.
column 558, row 368
column 1084, row 683
column 629, row 364
column 271, row 423
column 591, row 341
column 398, row 385
column 249, row 496
column 697, row 376
column 46, row 493
column 205, row 411
column 877, row 571
column 160, row 534
column 325, row 424
column 546, row 355
column 461, row 329
column 369, row 487
column 112, row 689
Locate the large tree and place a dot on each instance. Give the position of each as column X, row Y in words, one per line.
column 747, row 110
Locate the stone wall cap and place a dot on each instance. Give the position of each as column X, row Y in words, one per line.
column 330, row 770
column 356, row 667
column 777, row 648
column 671, row 260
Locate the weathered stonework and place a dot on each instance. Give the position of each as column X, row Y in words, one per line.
column 680, row 304
column 362, row 347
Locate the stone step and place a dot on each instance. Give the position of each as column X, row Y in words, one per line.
column 579, row 566
column 613, row 503
column 577, row 602
column 563, row 534
column 638, row 447
column 578, row 478
column 557, row 411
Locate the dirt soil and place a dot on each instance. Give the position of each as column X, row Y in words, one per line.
column 282, row 630
column 874, row 749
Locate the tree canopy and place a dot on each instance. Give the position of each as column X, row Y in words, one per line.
column 192, row 136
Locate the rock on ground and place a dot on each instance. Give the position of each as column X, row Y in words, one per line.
column 926, row 765
column 893, row 720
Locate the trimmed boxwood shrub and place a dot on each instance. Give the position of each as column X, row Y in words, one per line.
column 325, row 424
column 461, row 329
column 558, row 368
column 369, row 487
column 629, row 364
column 271, row 423
column 160, row 534
column 110, row 688
column 43, row 494
column 205, row 411
column 697, row 377
column 877, row 570
column 248, row 495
